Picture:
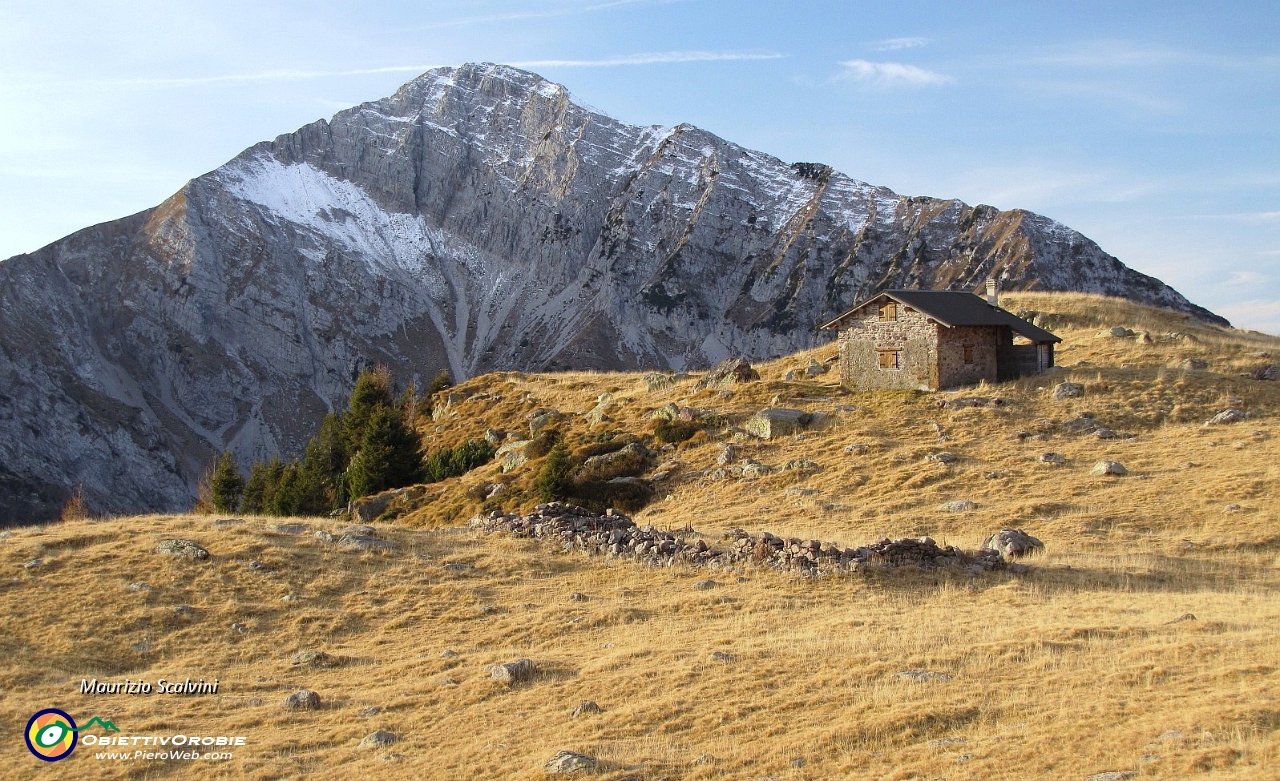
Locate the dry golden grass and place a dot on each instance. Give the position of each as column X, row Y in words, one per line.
column 1070, row 669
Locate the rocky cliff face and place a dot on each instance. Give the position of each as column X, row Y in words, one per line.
column 478, row 219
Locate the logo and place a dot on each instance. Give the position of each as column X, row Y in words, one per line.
column 52, row 734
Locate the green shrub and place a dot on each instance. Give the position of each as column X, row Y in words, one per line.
column 542, row 444
column 457, row 461
column 673, row 431
column 553, row 481
column 226, row 485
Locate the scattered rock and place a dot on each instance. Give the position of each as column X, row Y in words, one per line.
column 256, row 565
column 596, row 415
column 1194, row 364
column 227, row 521
column 287, row 528
column 921, row 676
column 655, row 381
column 814, row 369
column 566, row 762
column 752, row 468
column 1052, row 458
column 513, row 672
column 801, row 465
column 370, row 508
column 511, row 456
column 944, row 742
column 1183, row 617
column 1068, row 390
column 1013, row 544
column 1267, row 371
column 316, row 660
column 1225, row 417
column 1231, row 508
column 185, row 548
column 1113, row 775
column 324, row 536
column 704, row 585
column 494, row 436
column 704, row 759
column 798, row 762
column 360, row 542
column 722, row 656
column 586, row 708
column 666, row 412
column 448, row 653
column 303, row 699
column 183, row 610
column 727, row 456
column 378, row 738
column 957, row 506
column 372, row 710
column 578, row 596
column 728, row 372
column 772, row 422
column 941, row 458
column 1112, row 468
column 1119, row 331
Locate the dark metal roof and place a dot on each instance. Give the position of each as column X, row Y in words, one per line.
column 957, row 307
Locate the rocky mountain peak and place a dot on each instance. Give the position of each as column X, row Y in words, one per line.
column 477, row 219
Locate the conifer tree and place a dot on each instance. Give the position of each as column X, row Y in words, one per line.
column 226, row 485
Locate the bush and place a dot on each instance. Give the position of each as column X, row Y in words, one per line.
column 673, row 431
column 553, row 482
column 457, row 461
column 543, row 443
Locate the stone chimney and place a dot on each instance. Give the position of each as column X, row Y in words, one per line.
column 993, row 296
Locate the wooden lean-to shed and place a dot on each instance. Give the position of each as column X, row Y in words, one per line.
column 937, row 339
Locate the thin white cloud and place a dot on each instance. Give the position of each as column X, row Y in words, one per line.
column 652, row 58
column 894, row 44
column 516, row 16
column 890, row 74
column 1249, row 217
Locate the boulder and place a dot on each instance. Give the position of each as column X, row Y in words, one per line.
column 541, row 421
column 596, row 415
column 1111, row 468
column 511, row 456
column 513, row 672
column 303, row 699
column 316, row 660
column 1068, row 390
column 814, row 369
column 655, row 381
column 666, row 412
column 378, row 738
column 1264, row 372
column 1194, row 364
column 587, row 707
column 727, row 456
column 1119, row 331
column 728, row 372
column 370, row 508
column 1225, row 417
column 772, row 422
column 1013, row 544
column 1052, row 458
column 566, row 762
column 941, row 458
column 627, row 462
column 186, row 548
column 801, row 465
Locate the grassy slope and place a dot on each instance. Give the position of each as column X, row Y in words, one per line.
column 1067, row 670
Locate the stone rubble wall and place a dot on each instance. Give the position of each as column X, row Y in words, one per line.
column 615, row 535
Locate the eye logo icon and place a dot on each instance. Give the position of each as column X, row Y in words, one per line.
column 51, row 734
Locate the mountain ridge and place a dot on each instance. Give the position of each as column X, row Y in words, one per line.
column 477, row 219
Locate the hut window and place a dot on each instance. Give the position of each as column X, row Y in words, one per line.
column 888, row 359
column 889, row 310
column 968, row 353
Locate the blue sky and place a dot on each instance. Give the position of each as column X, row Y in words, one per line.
column 1153, row 128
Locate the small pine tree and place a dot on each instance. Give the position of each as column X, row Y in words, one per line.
column 553, row 481
column 441, row 381
column 226, row 485
column 388, row 456
column 371, row 392
column 259, row 490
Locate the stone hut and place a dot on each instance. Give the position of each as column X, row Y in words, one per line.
column 937, row 339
